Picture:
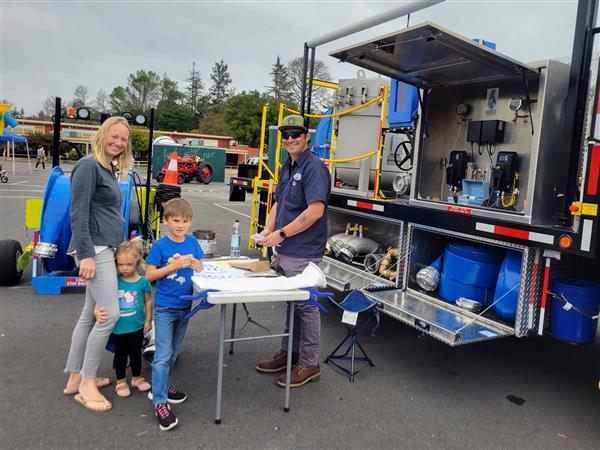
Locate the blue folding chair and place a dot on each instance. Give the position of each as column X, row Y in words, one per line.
column 355, row 302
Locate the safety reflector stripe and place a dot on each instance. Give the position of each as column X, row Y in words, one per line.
column 594, row 169
column 365, row 205
column 515, row 233
column 586, row 235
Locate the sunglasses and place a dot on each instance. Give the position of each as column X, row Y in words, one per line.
column 285, row 135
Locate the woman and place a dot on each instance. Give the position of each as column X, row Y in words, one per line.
column 97, row 228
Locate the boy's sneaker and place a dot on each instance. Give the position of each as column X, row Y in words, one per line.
column 173, row 396
column 166, row 418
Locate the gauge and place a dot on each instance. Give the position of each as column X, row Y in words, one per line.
column 515, row 103
column 128, row 116
column 462, row 109
column 83, row 113
column 140, row 119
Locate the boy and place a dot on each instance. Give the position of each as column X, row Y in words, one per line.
column 171, row 262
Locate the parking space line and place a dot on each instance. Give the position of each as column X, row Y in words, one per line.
column 232, row 210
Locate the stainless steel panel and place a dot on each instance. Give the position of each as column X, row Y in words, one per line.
column 429, row 56
column 454, row 327
column 345, row 277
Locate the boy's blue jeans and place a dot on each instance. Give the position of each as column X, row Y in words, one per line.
column 169, row 330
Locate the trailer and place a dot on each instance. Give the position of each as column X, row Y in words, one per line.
column 465, row 184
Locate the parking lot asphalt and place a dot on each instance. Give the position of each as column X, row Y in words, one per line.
column 509, row 393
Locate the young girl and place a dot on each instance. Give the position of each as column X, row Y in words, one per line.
column 128, row 334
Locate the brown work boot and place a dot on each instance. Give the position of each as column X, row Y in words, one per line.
column 301, row 375
column 277, row 363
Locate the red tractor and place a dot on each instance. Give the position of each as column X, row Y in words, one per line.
column 188, row 168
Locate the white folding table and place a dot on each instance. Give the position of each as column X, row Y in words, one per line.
column 233, row 298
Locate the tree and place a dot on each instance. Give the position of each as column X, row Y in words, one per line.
column 194, row 92
column 48, row 107
column 243, row 115
column 221, row 80
column 215, row 123
column 280, row 89
column 175, row 118
column 80, row 96
column 143, row 89
column 169, row 92
column 118, row 100
column 139, row 142
column 102, row 102
column 321, row 97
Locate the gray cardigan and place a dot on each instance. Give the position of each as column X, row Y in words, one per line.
column 95, row 208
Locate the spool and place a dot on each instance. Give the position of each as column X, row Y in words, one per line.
column 207, row 240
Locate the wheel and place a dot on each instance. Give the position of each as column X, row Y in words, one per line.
column 205, row 173
column 160, row 176
column 180, row 178
column 4, row 178
column 10, row 251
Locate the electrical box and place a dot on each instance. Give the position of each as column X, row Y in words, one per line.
column 492, row 131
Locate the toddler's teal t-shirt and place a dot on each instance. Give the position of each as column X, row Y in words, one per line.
column 131, row 304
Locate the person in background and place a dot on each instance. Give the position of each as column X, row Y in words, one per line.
column 135, row 303
column 97, row 229
column 297, row 228
column 40, row 157
column 171, row 263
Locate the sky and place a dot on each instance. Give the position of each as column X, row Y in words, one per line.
column 48, row 48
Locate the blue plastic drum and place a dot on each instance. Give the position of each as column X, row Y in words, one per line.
column 576, row 324
column 470, row 272
column 508, row 277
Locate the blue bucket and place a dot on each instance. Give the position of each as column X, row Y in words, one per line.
column 470, row 272
column 572, row 326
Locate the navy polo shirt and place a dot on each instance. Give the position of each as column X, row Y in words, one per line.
column 305, row 182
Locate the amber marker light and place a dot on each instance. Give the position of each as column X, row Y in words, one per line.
column 565, row 241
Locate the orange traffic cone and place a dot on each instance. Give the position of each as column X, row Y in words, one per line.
column 171, row 175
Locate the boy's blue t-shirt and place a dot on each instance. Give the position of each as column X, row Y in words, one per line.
column 169, row 288
column 131, row 305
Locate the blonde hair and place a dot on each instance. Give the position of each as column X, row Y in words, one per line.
column 124, row 159
column 177, row 207
column 133, row 248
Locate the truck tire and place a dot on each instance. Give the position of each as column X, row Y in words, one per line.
column 10, row 251
column 205, row 173
column 180, row 178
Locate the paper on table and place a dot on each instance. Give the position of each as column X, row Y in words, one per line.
column 312, row 276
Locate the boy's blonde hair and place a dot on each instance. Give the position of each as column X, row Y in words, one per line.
column 135, row 249
column 177, row 207
column 124, row 159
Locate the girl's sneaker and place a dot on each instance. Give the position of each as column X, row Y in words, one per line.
column 173, row 396
column 166, row 418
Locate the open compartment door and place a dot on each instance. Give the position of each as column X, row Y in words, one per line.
column 429, row 56
column 445, row 322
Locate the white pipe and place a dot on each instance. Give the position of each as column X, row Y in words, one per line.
column 402, row 10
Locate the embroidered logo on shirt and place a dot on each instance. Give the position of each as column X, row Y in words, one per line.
column 297, row 176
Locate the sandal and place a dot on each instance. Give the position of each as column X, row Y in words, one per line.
column 122, row 389
column 141, row 384
column 100, row 383
column 100, row 404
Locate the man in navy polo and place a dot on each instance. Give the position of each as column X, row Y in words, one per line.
column 297, row 227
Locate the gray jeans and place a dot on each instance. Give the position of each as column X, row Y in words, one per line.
column 307, row 318
column 89, row 338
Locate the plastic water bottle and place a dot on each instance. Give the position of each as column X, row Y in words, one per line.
column 236, row 239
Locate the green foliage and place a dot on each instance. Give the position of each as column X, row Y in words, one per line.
column 243, row 114
column 280, row 87
column 175, row 118
column 220, row 89
column 194, row 92
column 143, row 89
column 139, row 142
column 169, row 92
column 215, row 124
column 36, row 139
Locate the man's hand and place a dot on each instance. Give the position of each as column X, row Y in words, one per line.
column 87, row 268
column 271, row 240
column 197, row 265
column 101, row 314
